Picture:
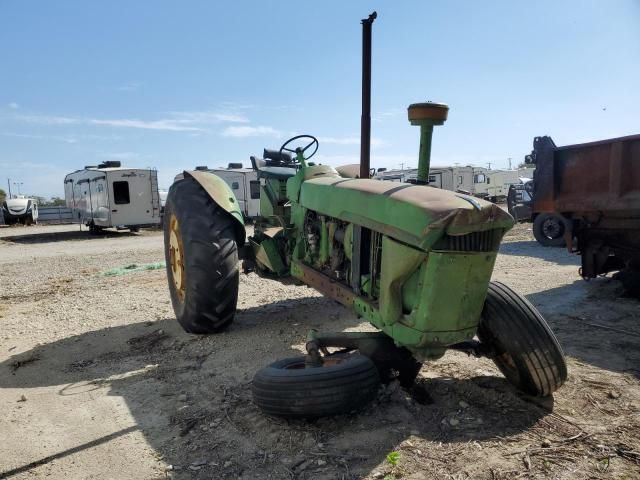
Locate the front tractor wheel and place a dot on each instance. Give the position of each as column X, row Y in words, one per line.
column 525, row 349
column 202, row 259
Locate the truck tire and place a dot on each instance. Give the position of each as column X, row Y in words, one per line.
column 526, row 350
column 548, row 229
column 286, row 388
column 202, row 259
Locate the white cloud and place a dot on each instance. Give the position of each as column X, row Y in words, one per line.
column 209, row 117
column 48, row 120
column 379, row 117
column 248, row 131
column 171, row 125
column 130, row 87
column 175, row 121
column 57, row 138
column 375, row 142
column 13, row 106
column 121, row 156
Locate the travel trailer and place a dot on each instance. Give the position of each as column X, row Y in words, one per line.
column 109, row 195
column 495, row 186
column 456, row 179
column 244, row 183
column 20, row 209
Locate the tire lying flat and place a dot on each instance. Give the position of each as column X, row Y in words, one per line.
column 202, row 259
column 287, row 389
column 527, row 352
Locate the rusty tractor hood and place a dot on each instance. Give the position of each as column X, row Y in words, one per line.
column 415, row 214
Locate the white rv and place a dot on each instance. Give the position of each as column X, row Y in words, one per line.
column 456, row 179
column 244, row 183
column 20, row 209
column 109, row 195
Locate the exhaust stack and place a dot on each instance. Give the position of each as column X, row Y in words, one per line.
column 365, row 122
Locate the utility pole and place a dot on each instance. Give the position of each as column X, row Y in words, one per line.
column 9, row 185
column 489, row 165
column 17, row 184
column 509, row 162
column 402, row 167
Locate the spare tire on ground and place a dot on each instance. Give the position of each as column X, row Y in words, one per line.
column 344, row 383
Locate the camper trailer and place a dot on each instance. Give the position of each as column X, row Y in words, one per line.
column 109, row 195
column 20, row 209
column 244, row 183
column 494, row 184
column 456, row 179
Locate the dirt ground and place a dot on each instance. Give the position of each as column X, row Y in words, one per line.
column 98, row 381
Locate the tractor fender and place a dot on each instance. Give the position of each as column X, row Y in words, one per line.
column 222, row 195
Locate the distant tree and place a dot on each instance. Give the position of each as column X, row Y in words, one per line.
column 3, row 195
column 57, row 202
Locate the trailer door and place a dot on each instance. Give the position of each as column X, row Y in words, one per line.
column 435, row 179
column 238, row 183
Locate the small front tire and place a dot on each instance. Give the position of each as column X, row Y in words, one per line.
column 525, row 349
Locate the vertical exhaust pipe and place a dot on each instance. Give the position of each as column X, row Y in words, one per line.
column 365, row 121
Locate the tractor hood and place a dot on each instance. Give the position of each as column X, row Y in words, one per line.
column 415, row 214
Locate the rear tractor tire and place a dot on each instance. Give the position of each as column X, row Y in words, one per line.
column 344, row 383
column 525, row 349
column 202, row 259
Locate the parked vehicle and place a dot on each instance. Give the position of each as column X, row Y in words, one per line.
column 594, row 188
column 548, row 228
column 20, row 209
column 494, row 184
column 412, row 260
column 466, row 179
column 243, row 182
column 109, row 195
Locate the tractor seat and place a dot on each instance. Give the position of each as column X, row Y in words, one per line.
column 273, row 169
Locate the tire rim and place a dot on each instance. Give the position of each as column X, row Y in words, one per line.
column 551, row 228
column 176, row 257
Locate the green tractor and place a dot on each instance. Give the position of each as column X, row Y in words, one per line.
column 413, row 260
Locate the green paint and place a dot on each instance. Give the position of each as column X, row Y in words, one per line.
column 131, row 268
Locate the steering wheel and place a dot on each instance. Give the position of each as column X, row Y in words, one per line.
column 314, row 141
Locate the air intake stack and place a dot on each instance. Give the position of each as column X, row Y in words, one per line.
column 426, row 115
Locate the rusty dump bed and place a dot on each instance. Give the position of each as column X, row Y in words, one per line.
column 595, row 189
column 595, row 176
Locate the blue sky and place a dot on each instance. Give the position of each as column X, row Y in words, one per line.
column 177, row 84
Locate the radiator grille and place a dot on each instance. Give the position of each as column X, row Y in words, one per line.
column 486, row 241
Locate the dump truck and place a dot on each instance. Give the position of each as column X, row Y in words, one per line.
column 594, row 189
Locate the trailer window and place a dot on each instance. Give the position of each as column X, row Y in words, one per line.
column 254, row 187
column 460, row 179
column 479, row 178
column 432, row 179
column 121, row 192
column 235, row 185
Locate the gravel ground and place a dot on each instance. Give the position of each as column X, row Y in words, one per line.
column 97, row 380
